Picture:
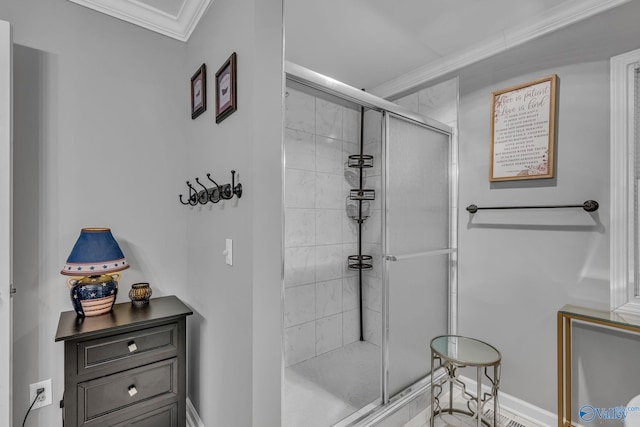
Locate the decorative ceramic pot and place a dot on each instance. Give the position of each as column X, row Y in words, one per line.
column 140, row 294
column 93, row 295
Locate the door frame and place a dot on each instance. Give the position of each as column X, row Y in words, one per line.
column 6, row 227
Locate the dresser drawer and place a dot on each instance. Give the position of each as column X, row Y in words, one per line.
column 164, row 417
column 126, row 349
column 148, row 385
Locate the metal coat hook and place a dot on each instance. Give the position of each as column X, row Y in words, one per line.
column 237, row 188
column 228, row 191
column 203, row 196
column 212, row 194
column 193, row 196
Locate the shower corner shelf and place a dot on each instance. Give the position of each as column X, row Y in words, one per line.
column 359, row 220
column 360, row 161
column 362, row 194
column 360, row 262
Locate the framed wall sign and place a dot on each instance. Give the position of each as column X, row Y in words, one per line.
column 523, row 131
column 199, row 92
column 226, row 100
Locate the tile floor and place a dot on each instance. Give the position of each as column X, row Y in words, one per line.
column 505, row 418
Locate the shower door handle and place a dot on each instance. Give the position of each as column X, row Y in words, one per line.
column 420, row 254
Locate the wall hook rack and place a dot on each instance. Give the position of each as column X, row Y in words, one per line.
column 212, row 194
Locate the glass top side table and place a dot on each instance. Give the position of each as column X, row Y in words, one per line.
column 452, row 352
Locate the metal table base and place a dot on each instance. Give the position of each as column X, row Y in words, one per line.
column 459, row 353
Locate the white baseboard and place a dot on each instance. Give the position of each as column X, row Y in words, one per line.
column 193, row 419
column 512, row 404
column 518, row 407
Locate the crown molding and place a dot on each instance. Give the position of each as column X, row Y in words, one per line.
column 551, row 20
column 178, row 26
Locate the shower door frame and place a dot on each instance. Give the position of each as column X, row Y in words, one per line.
column 317, row 81
column 307, row 77
column 425, row 382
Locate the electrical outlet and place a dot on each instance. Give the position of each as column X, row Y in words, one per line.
column 45, row 398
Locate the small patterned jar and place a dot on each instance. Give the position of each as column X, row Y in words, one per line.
column 140, row 294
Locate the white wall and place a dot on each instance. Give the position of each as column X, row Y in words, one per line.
column 235, row 332
column 104, row 137
column 6, row 215
column 220, row 331
column 517, row 268
column 267, row 167
column 99, row 141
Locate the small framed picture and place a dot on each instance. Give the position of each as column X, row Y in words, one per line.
column 226, row 89
column 199, row 92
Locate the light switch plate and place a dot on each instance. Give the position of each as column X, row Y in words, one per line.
column 228, row 251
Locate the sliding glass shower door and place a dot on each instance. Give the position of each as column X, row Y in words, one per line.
column 417, row 247
column 369, row 181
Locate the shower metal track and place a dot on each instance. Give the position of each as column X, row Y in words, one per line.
column 307, row 77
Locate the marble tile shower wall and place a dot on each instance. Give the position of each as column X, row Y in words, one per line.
column 321, row 304
column 439, row 102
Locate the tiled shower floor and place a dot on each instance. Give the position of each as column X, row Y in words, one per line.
column 331, row 386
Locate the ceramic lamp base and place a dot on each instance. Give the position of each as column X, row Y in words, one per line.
column 98, row 306
column 93, row 295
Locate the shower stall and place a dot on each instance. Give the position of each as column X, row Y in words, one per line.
column 369, row 251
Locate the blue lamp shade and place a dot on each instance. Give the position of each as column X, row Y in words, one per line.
column 96, row 252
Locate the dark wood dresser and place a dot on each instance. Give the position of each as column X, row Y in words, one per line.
column 126, row 367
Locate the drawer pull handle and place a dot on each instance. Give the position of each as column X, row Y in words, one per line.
column 132, row 390
column 132, row 347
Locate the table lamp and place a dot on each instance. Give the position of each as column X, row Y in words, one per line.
column 94, row 262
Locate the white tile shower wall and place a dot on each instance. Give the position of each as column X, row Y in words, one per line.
column 438, row 102
column 321, row 308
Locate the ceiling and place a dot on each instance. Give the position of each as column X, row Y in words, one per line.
column 173, row 18
column 386, row 45
column 370, row 43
